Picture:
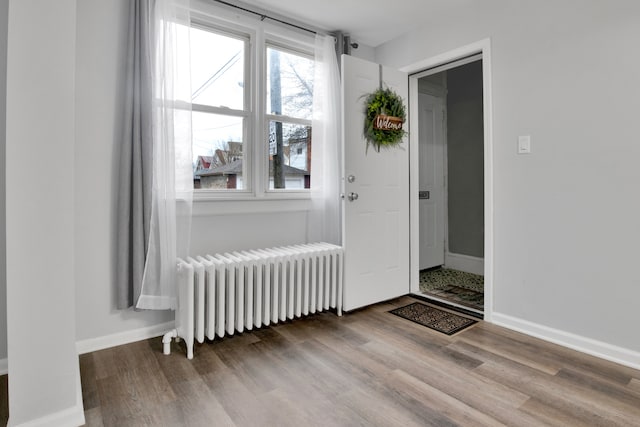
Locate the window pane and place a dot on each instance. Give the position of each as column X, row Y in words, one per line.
column 218, row 160
column 217, row 69
column 289, row 156
column 289, row 84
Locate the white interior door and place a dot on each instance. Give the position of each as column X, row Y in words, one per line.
column 431, row 180
column 376, row 223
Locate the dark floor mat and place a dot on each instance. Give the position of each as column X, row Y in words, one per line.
column 434, row 318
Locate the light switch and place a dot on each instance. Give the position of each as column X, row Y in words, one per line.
column 524, row 144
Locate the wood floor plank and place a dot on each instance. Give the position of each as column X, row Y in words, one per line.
column 483, row 394
column 319, row 366
column 176, row 368
column 415, row 344
column 353, row 354
column 93, row 417
column 561, row 394
column 554, row 417
column 88, row 380
column 366, row 368
column 515, row 348
column 549, row 390
column 598, row 385
column 316, row 409
column 4, row 399
column 198, row 406
column 117, row 360
column 240, row 403
column 207, row 361
column 374, row 406
column 407, row 397
column 320, row 323
column 445, row 405
column 595, row 385
column 137, row 396
column 423, row 340
column 307, row 377
column 250, row 366
column 557, row 355
column 311, row 388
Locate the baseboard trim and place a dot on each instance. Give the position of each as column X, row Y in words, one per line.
column 600, row 349
column 4, row 366
column 466, row 263
column 126, row 337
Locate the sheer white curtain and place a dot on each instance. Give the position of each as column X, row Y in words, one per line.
column 326, row 162
column 172, row 190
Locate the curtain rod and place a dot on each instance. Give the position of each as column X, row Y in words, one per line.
column 264, row 16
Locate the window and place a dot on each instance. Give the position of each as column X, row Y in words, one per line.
column 289, row 109
column 252, row 98
column 220, row 108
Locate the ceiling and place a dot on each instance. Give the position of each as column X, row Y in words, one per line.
column 371, row 22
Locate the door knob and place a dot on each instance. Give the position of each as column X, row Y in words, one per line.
column 352, row 196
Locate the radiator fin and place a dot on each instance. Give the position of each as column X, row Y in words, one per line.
column 232, row 292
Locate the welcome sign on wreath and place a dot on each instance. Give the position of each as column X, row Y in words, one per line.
column 384, row 117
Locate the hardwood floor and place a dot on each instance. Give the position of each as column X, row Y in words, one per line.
column 367, row 368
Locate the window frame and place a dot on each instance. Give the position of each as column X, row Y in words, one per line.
column 246, row 113
column 294, row 49
column 259, row 36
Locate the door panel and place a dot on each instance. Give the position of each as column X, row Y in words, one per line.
column 431, row 180
column 376, row 224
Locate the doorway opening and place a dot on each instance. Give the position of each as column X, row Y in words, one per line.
column 450, row 146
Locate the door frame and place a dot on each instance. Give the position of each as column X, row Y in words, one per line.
column 481, row 47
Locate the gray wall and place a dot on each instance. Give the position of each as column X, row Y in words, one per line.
column 4, row 11
column 100, row 49
column 465, row 163
column 566, row 226
column 217, row 226
column 551, row 236
column 44, row 374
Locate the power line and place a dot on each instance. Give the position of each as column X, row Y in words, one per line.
column 215, row 76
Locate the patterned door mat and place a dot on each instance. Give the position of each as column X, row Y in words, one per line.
column 434, row 318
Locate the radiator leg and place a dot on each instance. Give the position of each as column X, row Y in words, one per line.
column 166, row 341
column 190, row 351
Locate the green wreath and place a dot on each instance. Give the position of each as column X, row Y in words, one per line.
column 384, row 106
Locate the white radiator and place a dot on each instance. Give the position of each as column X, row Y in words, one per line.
column 237, row 291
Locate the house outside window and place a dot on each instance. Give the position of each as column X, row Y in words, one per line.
column 252, row 99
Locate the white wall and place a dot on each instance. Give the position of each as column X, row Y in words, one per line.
column 566, row 216
column 44, row 381
column 102, row 28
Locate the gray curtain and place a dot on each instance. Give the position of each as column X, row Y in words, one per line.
column 136, row 159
